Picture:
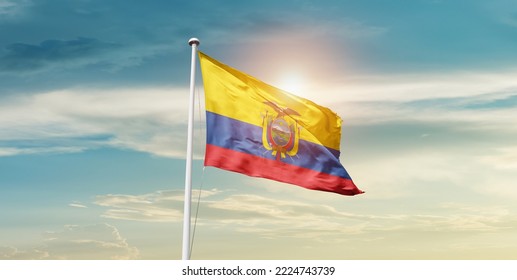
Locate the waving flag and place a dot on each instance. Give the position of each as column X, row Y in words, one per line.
column 261, row 131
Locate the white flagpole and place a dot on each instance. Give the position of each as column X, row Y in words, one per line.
column 185, row 254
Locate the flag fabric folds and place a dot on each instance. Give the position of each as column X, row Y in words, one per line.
column 261, row 131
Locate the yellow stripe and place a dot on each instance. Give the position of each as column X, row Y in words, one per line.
column 234, row 94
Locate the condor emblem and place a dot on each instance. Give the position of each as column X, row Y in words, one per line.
column 280, row 132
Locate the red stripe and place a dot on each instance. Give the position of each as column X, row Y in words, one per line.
column 256, row 166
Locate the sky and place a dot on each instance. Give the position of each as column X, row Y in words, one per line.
column 93, row 114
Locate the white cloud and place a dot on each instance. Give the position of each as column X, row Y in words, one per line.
column 502, row 158
column 411, row 87
column 12, row 253
column 100, row 241
column 160, row 206
column 39, row 150
column 151, row 120
column 463, row 170
column 77, row 204
column 451, row 97
column 278, row 218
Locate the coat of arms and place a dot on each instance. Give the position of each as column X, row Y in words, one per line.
column 280, row 132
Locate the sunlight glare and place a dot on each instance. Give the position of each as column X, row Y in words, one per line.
column 292, row 83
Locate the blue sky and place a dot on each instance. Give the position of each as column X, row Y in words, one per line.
column 93, row 108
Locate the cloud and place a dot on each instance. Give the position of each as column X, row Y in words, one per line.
column 76, row 53
column 99, row 241
column 275, row 218
column 54, row 53
column 77, row 204
column 13, row 253
column 39, row 150
column 502, row 158
column 12, row 8
column 151, row 120
column 256, row 214
column 447, row 168
column 160, row 206
column 483, row 101
column 421, row 86
column 280, row 218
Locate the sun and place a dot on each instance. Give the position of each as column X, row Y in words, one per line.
column 291, row 82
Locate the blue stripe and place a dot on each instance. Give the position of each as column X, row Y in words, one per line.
column 247, row 138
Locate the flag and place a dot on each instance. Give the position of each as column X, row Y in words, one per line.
column 261, row 131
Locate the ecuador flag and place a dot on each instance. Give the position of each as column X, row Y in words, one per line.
column 261, row 131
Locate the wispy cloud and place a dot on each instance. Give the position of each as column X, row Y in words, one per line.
column 99, row 241
column 12, row 8
column 77, row 204
column 153, row 120
column 160, row 206
column 149, row 120
column 278, row 218
column 77, row 52
column 13, row 253
column 481, row 100
column 71, row 54
column 39, row 150
column 244, row 212
column 502, row 158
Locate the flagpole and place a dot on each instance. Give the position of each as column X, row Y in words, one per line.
column 185, row 254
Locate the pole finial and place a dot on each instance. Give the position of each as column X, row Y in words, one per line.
column 193, row 41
